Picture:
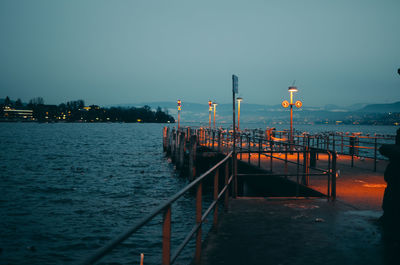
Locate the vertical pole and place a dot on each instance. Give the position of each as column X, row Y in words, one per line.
column 166, row 245
column 333, row 194
column 219, row 141
column 209, row 118
column 181, row 156
column 179, row 117
column 291, row 123
column 327, row 142
column 305, row 167
column 216, row 177
column 238, row 115
column 341, row 148
column 240, row 135
column 226, row 201
column 215, row 108
column 213, row 139
column 192, row 157
column 198, row 222
column 259, row 152
column 234, row 163
column 248, row 147
column 352, row 143
column 297, row 174
column 375, row 147
column 270, row 161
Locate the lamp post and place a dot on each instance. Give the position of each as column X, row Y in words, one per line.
column 179, row 112
column 239, row 100
column 286, row 104
column 215, row 108
column 209, row 113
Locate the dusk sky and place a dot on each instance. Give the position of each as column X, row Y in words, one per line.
column 115, row 52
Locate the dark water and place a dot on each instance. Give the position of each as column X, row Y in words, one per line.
column 66, row 189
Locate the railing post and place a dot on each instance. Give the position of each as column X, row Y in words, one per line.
column 375, row 148
column 248, row 146
column 327, row 142
column 216, row 178
column 333, row 193
column 226, row 201
column 352, row 149
column 305, row 167
column 270, row 161
column 219, row 141
column 240, row 135
column 198, row 221
column 259, row 152
column 166, row 244
column 341, row 148
column 213, row 139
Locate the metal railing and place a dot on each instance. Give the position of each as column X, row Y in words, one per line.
column 165, row 210
column 255, row 143
column 354, row 145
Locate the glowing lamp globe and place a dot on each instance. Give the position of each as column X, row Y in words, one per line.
column 285, row 103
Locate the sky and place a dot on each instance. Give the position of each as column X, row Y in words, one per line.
column 116, row 52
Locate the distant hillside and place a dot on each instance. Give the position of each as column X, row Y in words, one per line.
column 275, row 114
column 381, row 108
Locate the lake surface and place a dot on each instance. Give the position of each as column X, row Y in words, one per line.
column 68, row 188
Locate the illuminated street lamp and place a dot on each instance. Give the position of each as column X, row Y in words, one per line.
column 286, row 104
column 239, row 99
column 215, row 108
column 179, row 112
column 209, row 113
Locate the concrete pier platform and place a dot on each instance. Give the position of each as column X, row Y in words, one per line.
column 307, row 230
column 358, row 186
column 297, row 231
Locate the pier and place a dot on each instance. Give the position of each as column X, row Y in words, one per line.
column 313, row 200
column 324, row 210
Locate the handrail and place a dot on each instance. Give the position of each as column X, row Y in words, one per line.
column 101, row 252
column 258, row 142
column 352, row 145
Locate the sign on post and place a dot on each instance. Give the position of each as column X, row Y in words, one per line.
column 235, row 84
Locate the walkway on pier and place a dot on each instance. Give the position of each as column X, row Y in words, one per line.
column 358, row 186
column 295, row 231
column 306, row 230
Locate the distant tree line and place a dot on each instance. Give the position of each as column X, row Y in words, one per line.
column 76, row 111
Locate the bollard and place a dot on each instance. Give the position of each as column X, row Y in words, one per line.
column 181, row 158
column 192, row 157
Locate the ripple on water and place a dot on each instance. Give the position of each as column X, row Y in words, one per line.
column 69, row 188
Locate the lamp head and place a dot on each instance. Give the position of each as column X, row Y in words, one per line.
column 239, row 99
column 293, row 89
